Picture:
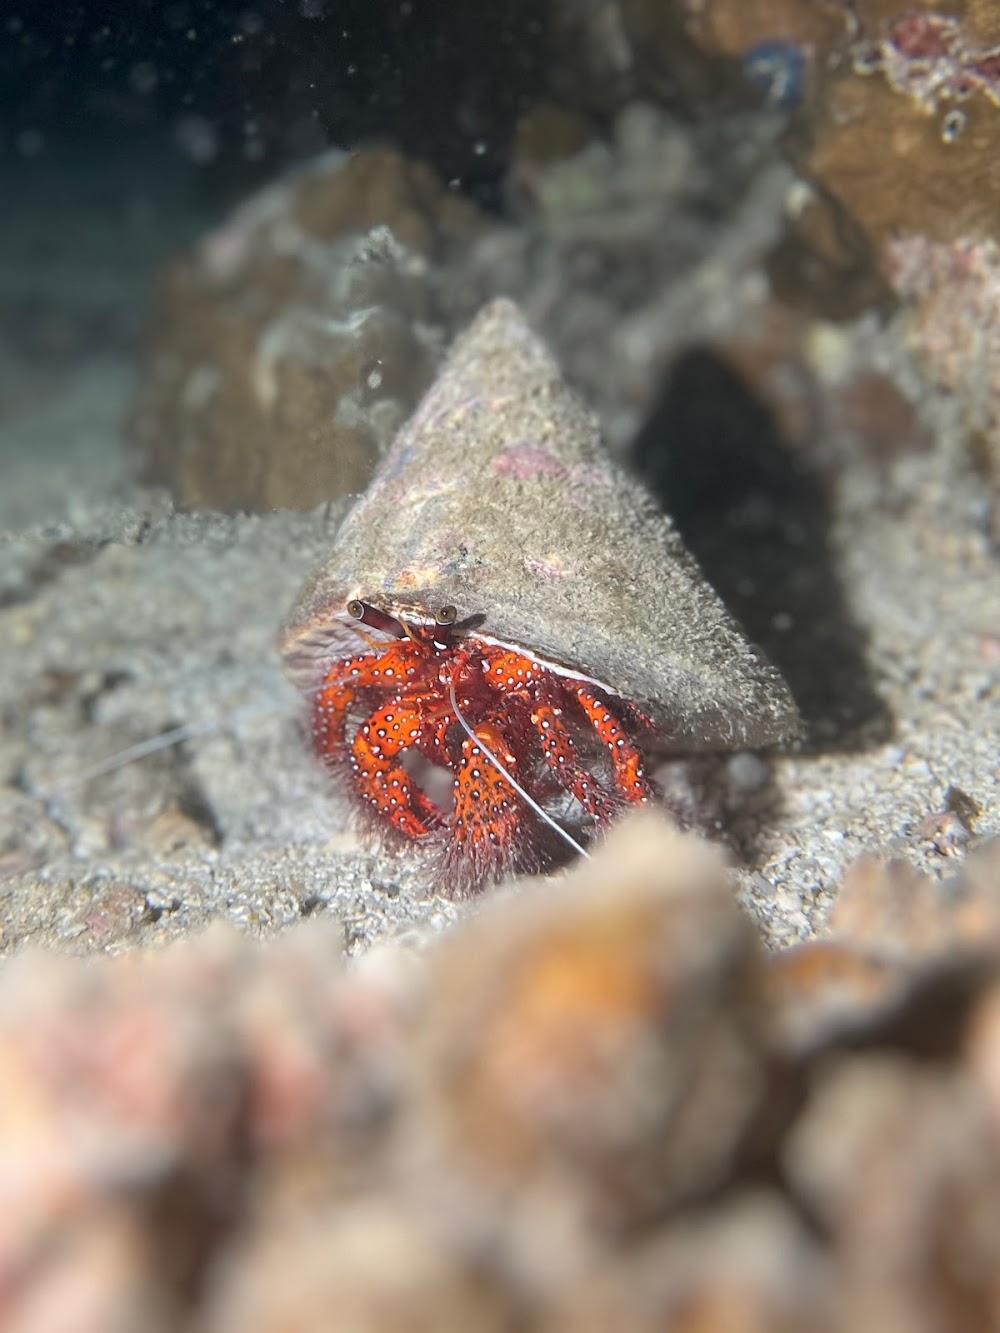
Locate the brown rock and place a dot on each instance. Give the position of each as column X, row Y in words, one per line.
column 899, row 120
column 891, row 927
column 286, row 351
column 824, row 986
column 892, row 164
column 547, row 133
column 899, row 132
column 748, row 1267
column 730, row 28
column 781, row 362
column 379, row 187
column 982, row 1051
column 901, row 1166
column 887, row 906
column 576, row 1113
column 370, row 1269
column 152, row 1099
column 589, row 1053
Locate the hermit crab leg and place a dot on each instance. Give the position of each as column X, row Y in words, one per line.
column 479, row 741
column 384, row 783
column 331, row 706
column 487, row 810
column 560, row 754
column 630, row 776
column 391, row 665
column 513, row 673
column 507, row 670
column 433, row 740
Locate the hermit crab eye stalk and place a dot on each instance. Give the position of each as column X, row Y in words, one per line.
column 374, row 618
column 443, row 622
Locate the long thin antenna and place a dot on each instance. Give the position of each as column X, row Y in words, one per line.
column 528, row 800
column 121, row 758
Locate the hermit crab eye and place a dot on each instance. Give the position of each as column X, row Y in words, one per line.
column 447, row 615
column 356, row 609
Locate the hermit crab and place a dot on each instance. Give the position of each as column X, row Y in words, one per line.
column 508, row 626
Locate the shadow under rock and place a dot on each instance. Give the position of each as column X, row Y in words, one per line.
column 758, row 519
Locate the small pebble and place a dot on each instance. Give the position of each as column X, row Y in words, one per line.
column 747, row 772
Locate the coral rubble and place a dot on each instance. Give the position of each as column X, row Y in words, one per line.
column 898, row 134
column 596, row 1104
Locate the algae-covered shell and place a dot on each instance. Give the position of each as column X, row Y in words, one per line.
column 498, row 498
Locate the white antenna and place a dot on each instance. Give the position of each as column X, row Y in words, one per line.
column 166, row 739
column 528, row 800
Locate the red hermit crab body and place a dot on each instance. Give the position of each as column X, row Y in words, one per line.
column 556, row 735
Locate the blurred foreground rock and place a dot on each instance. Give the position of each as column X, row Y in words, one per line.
column 596, row 1104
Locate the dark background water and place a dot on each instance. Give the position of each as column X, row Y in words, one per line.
column 233, row 92
column 127, row 130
